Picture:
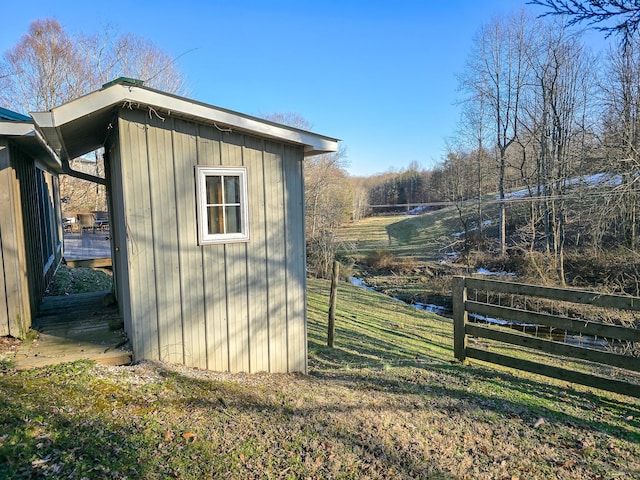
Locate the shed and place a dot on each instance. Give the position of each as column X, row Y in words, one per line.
column 207, row 215
column 30, row 233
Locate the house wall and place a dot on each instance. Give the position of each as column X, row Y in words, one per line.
column 15, row 310
column 30, row 237
column 231, row 307
column 39, row 191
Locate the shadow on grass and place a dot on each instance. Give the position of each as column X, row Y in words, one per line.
column 75, row 426
column 373, row 455
column 463, row 393
column 43, row 436
column 503, row 393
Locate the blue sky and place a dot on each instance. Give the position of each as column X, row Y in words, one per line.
column 380, row 75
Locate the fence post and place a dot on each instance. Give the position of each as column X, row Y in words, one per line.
column 459, row 292
column 333, row 300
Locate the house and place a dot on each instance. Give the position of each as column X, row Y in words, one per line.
column 207, row 216
column 30, row 231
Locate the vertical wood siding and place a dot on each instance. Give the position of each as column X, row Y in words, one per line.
column 227, row 307
column 118, row 227
column 213, row 265
column 190, row 259
column 296, row 259
column 15, row 309
column 276, row 266
column 30, row 237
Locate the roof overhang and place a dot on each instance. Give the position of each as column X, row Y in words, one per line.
column 83, row 125
column 24, row 134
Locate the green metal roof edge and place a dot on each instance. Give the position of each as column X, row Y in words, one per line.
column 14, row 116
column 125, row 80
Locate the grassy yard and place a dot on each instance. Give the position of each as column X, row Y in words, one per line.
column 387, row 402
column 423, row 238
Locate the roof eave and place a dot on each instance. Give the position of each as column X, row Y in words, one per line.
column 16, row 129
column 131, row 96
column 25, row 134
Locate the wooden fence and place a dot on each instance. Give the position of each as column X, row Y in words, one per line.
column 466, row 303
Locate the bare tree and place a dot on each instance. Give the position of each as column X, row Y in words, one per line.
column 292, row 119
column 621, row 96
column 44, row 69
column 360, row 188
column 475, row 133
column 458, row 187
column 328, row 200
column 48, row 67
column 495, row 76
column 620, row 17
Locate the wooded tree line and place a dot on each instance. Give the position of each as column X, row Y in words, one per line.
column 541, row 115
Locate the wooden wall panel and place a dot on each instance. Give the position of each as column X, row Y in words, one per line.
column 113, row 165
column 15, row 310
column 225, row 307
column 164, row 238
column 276, row 256
column 214, row 281
column 140, row 241
column 296, row 259
column 8, row 255
column 185, row 157
column 257, row 280
column 236, row 273
column 27, row 189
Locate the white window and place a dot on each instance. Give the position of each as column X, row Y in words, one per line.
column 222, row 205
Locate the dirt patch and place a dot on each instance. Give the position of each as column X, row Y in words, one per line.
column 9, row 346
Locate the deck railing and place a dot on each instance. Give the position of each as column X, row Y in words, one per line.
column 505, row 303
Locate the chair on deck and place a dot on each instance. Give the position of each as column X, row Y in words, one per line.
column 102, row 220
column 87, row 221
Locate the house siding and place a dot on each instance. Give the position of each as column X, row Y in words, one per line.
column 15, row 308
column 30, row 237
column 226, row 307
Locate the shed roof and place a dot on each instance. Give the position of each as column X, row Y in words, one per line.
column 82, row 125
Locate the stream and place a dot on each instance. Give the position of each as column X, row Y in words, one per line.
column 441, row 310
column 531, row 328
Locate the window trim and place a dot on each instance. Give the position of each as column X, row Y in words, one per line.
column 204, row 237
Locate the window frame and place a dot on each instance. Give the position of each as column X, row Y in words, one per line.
column 204, row 237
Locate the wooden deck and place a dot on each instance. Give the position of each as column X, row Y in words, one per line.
column 75, row 327
column 88, row 248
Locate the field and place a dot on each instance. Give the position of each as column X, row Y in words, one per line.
column 386, row 402
column 404, row 256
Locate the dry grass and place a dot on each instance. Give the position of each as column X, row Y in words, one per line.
column 385, row 403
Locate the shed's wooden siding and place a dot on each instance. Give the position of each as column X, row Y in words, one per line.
column 30, row 237
column 230, row 307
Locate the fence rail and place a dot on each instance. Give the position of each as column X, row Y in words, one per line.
column 463, row 308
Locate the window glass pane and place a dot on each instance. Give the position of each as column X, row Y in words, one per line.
column 214, row 189
column 234, row 225
column 232, row 189
column 215, row 221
